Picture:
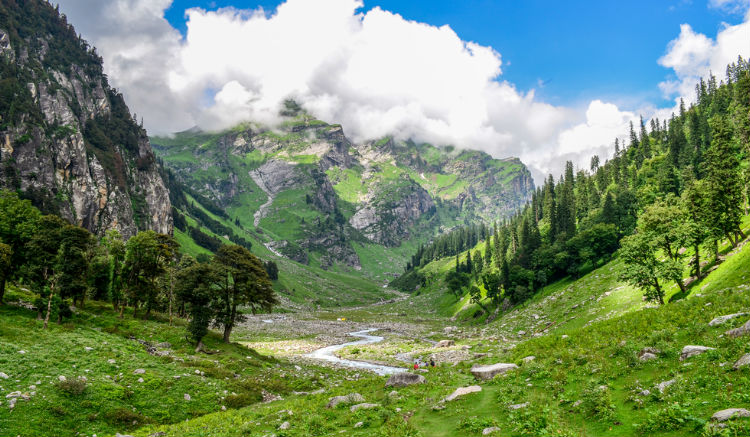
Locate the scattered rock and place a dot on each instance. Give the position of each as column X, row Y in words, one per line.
column 88, row 349
column 691, row 351
column 351, row 398
column 663, row 385
column 462, row 391
column 164, row 345
column 140, row 379
column 742, row 330
column 285, row 425
column 438, row 407
column 723, row 319
column 359, row 424
column 363, row 406
column 724, row 415
column 62, row 378
column 492, row 370
column 111, row 361
column 577, row 403
column 139, row 371
column 528, row 359
column 518, row 406
column 187, row 397
column 404, row 379
column 4, row 375
column 645, row 392
column 490, row 430
column 445, row 343
column 742, row 362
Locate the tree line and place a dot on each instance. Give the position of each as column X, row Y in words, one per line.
column 675, row 189
column 64, row 264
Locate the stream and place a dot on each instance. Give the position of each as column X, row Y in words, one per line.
column 328, row 354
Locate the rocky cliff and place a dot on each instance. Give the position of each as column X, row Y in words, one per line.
column 67, row 140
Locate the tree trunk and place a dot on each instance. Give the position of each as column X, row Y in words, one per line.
column 2, row 289
column 659, row 293
column 681, row 284
column 122, row 309
column 171, row 295
column 199, row 347
column 83, row 301
column 49, row 308
column 741, row 234
column 227, row 332
column 697, row 261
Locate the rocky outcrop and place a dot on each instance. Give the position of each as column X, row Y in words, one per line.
column 730, row 413
column 404, row 379
column 738, row 332
column 351, row 398
column 490, row 371
column 723, row 319
column 691, row 351
column 462, row 391
column 74, row 149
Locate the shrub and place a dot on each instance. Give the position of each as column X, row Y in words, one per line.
column 242, row 399
column 72, row 386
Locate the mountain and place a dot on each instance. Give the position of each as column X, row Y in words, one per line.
column 312, row 195
column 68, row 141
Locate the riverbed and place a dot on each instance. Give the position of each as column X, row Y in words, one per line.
column 328, row 354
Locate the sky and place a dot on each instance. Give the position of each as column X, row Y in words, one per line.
column 545, row 81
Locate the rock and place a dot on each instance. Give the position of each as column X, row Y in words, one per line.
column 438, row 407
column 404, row 379
column 139, row 371
column 528, row 359
column 577, row 403
column 187, row 397
column 351, row 398
column 12, row 403
column 111, row 361
column 742, row 362
column 663, row 385
column 490, row 430
column 363, row 406
column 490, row 371
column 518, row 406
column 4, row 375
column 445, row 343
column 88, row 349
column 285, row 425
column 742, row 330
column 691, row 351
column 62, row 378
column 13, row 395
column 164, row 345
column 122, row 435
column 462, row 391
column 393, row 394
column 359, row 424
column 140, row 379
column 723, row 319
column 645, row 392
column 647, row 356
column 729, row 413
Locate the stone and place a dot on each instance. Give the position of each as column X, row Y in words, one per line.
column 462, row 391
column 742, row 362
column 645, row 392
column 647, row 356
column 359, row 424
column 13, row 395
column 4, row 375
column 729, row 413
column 351, row 398
column 88, row 349
column 140, row 379
column 528, row 359
column 723, row 319
column 490, row 430
column 742, row 330
column 404, row 379
column 577, row 403
column 363, row 406
column 662, row 386
column 62, row 378
column 518, row 406
column 111, row 361
column 12, row 403
column 164, row 345
column 139, row 371
column 691, row 351
column 285, row 425
column 187, row 397
column 445, row 343
column 492, row 370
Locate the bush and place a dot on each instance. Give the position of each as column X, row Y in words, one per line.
column 71, row 386
column 242, row 399
column 124, row 417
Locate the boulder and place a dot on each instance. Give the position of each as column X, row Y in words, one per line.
column 490, row 430
column 363, row 406
column 187, row 397
column 648, row 356
column 462, row 391
column 742, row 362
column 729, row 413
column 691, row 351
column 404, row 379
column 528, row 359
column 351, row 398
column 492, row 370
column 742, row 330
column 359, row 424
column 723, row 319
column 4, row 375
column 285, row 425
column 518, row 406
column 445, row 343
column 139, row 371
column 663, row 385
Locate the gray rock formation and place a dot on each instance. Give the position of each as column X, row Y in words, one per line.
column 691, row 351
column 462, row 391
column 404, row 379
column 729, row 413
column 492, row 370
column 742, row 362
column 351, row 398
column 742, row 330
column 723, row 319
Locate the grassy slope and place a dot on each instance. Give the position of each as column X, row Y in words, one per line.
column 566, row 370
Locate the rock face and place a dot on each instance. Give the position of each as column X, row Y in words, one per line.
column 462, row 391
column 71, row 145
column 490, row 371
column 404, row 379
column 729, row 413
column 691, row 351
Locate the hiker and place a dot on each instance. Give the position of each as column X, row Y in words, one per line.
column 432, row 362
column 416, row 365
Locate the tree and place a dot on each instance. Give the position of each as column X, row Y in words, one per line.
column 244, row 281
column 492, row 283
column 695, row 221
column 71, row 263
column 146, row 257
column 662, row 224
column 18, row 222
column 273, row 270
column 42, row 259
column 476, row 297
column 455, row 282
column 643, row 269
column 195, row 287
column 112, row 241
column 723, row 183
column 5, row 264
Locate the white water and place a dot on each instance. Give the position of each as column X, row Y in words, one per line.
column 328, row 354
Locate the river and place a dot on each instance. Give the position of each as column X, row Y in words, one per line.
column 328, row 354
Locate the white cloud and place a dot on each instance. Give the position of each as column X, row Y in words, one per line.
column 376, row 73
column 730, row 6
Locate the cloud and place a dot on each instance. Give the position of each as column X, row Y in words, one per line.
column 694, row 55
column 730, row 6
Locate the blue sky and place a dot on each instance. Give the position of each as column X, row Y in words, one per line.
column 570, row 52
